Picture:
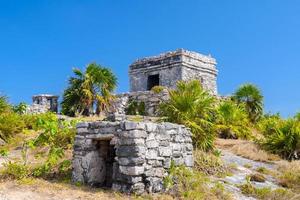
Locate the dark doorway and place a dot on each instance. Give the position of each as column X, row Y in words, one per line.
column 107, row 155
column 153, row 80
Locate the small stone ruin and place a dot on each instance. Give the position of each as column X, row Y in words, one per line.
column 168, row 68
column 127, row 156
column 135, row 157
column 43, row 103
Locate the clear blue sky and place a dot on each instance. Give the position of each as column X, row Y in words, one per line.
column 255, row 41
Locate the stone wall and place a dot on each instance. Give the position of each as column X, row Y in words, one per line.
column 131, row 157
column 43, row 103
column 172, row 67
column 151, row 100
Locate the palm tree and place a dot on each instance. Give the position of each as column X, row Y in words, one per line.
column 251, row 97
column 88, row 90
column 192, row 106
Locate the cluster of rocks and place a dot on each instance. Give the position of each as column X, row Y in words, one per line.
column 151, row 100
column 129, row 156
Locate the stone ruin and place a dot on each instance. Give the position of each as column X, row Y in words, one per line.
column 43, row 103
column 165, row 70
column 127, row 156
column 169, row 68
column 134, row 157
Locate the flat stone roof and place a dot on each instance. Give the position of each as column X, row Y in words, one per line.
column 171, row 57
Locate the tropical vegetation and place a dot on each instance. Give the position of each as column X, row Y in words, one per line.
column 251, row 97
column 89, row 91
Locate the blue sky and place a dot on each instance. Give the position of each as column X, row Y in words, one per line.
column 254, row 41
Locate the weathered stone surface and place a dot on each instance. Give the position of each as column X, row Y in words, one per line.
column 127, row 151
column 132, row 170
column 131, row 161
column 172, row 67
column 129, row 158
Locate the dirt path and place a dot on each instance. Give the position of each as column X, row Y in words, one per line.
column 44, row 190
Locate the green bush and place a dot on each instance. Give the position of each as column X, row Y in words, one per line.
column 21, row 108
column 268, row 124
column 284, row 140
column 15, row 170
column 135, row 108
column 4, row 105
column 10, row 124
column 192, row 106
column 232, row 121
column 157, row 89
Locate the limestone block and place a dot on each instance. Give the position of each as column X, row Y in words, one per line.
column 151, row 127
column 130, row 151
column 151, row 154
column 134, row 134
column 165, row 151
column 131, row 161
column 132, row 170
column 189, row 161
column 132, row 141
column 152, row 144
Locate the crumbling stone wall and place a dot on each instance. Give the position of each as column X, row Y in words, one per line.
column 43, row 103
column 129, row 156
column 172, row 67
column 151, row 100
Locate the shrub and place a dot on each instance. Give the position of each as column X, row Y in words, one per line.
column 192, row 106
column 208, row 163
column 232, row 121
column 185, row 183
column 135, row 108
column 4, row 105
column 20, row 109
column 268, row 124
column 157, row 89
column 10, row 124
column 285, row 141
column 15, row 170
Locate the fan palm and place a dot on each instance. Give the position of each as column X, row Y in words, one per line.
column 192, row 106
column 251, row 96
column 88, row 90
column 232, row 121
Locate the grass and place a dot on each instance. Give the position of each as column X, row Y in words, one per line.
column 247, row 149
column 265, row 193
column 289, row 175
column 209, row 163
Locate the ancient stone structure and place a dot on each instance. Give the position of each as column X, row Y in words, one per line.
column 43, row 103
column 168, row 68
column 129, row 156
column 150, row 99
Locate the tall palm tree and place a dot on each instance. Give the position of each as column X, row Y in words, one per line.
column 251, row 96
column 88, row 90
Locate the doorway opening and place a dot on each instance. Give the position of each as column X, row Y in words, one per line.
column 153, row 80
column 107, row 156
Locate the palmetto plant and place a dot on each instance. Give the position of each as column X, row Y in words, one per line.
column 89, row 90
column 192, row 106
column 4, row 105
column 285, row 140
column 232, row 120
column 251, row 96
